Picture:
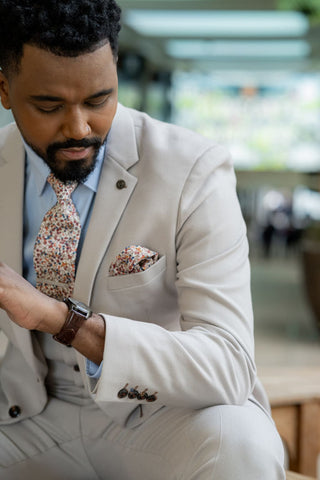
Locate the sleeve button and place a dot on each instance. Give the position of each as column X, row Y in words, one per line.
column 152, row 398
column 133, row 393
column 123, row 392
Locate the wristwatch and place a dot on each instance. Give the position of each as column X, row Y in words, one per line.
column 78, row 313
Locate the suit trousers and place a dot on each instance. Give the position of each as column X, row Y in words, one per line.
column 73, row 442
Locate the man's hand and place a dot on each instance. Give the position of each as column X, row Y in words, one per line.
column 28, row 307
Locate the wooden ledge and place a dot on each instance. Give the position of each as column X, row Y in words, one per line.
column 297, row 476
column 294, row 395
column 290, row 385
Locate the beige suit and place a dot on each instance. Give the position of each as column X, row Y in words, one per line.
column 182, row 329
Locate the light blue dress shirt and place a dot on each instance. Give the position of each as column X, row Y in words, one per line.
column 39, row 198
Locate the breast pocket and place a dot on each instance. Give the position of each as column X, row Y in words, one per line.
column 137, row 280
column 138, row 295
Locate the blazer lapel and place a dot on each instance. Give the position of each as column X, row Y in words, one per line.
column 109, row 204
column 12, row 166
column 110, row 201
column 11, row 204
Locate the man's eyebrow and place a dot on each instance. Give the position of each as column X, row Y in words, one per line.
column 102, row 93
column 52, row 98
column 46, row 98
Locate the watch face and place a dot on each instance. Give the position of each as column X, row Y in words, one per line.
column 77, row 306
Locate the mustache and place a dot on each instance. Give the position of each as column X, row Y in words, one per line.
column 72, row 143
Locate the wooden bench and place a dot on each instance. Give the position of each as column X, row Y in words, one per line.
column 297, row 476
column 294, row 395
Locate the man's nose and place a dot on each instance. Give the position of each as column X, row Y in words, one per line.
column 75, row 124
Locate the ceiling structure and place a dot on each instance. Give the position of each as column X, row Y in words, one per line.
column 222, row 34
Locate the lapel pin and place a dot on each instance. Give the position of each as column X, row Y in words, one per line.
column 121, row 184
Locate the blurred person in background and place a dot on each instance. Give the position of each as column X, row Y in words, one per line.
column 124, row 274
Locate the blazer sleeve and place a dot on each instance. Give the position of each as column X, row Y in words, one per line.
column 210, row 361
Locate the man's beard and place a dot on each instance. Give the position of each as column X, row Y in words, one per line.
column 75, row 170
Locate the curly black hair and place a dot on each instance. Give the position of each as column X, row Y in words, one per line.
column 63, row 27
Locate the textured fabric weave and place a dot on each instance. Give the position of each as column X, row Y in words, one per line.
column 56, row 245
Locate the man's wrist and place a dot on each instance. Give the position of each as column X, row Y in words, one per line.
column 90, row 339
column 54, row 316
column 77, row 314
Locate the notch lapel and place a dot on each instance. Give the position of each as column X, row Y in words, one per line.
column 110, row 201
column 12, row 167
column 11, row 200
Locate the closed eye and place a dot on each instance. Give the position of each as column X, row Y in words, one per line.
column 52, row 109
column 96, row 103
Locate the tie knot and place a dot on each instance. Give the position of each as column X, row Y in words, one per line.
column 62, row 190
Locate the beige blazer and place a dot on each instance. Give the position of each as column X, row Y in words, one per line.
column 183, row 329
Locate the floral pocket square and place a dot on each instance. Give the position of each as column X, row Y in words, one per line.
column 133, row 259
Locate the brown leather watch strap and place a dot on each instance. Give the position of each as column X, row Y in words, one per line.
column 78, row 313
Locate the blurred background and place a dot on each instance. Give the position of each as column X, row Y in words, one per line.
column 246, row 73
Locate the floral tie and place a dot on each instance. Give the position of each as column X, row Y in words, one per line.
column 55, row 249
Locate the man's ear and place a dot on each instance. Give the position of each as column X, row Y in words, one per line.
column 4, row 91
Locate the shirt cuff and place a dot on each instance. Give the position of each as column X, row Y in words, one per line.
column 92, row 369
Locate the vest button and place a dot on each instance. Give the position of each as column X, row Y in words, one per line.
column 14, row 411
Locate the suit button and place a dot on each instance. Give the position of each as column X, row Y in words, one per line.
column 76, row 368
column 133, row 393
column 121, row 184
column 14, row 411
column 143, row 395
column 152, row 398
column 123, row 392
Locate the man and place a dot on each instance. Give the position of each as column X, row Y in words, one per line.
column 159, row 382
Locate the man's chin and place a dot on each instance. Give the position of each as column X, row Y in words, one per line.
column 72, row 170
column 62, row 159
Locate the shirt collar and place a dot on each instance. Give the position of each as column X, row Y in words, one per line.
column 40, row 169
